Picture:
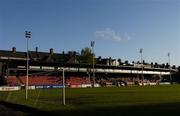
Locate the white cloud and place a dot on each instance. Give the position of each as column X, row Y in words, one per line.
column 109, row 34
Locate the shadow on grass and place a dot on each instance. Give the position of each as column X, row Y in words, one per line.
column 10, row 109
column 164, row 109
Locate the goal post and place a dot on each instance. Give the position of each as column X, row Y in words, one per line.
column 64, row 86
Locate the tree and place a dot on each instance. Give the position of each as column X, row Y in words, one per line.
column 87, row 55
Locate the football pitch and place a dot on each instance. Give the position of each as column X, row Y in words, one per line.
column 161, row 100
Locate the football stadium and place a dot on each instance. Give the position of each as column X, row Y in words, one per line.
column 66, row 84
column 89, row 57
column 45, row 70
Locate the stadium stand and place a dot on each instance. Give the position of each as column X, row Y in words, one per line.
column 109, row 71
column 75, row 81
column 33, row 80
column 12, row 81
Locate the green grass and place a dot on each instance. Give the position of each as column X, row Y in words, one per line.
column 125, row 101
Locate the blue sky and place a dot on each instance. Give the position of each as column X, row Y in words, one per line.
column 118, row 27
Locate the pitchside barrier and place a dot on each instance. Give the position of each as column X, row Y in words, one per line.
column 84, row 86
column 6, row 88
column 151, row 83
column 48, row 86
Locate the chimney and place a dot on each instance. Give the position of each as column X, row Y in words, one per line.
column 51, row 51
column 36, row 49
column 14, row 49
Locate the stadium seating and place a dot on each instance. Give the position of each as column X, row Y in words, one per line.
column 33, row 80
column 12, row 81
column 76, row 82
